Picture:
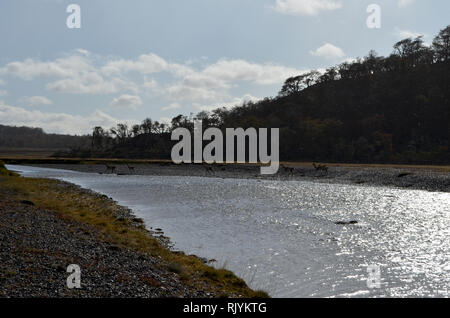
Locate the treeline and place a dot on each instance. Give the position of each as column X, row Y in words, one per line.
column 26, row 137
column 393, row 109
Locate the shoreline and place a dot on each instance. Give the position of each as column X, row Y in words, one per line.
column 433, row 179
column 46, row 225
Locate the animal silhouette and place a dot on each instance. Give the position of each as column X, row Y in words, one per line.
column 110, row 168
column 130, row 168
column 289, row 170
column 209, row 169
column 320, row 167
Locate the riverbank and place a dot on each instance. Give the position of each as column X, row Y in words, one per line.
column 46, row 225
column 430, row 178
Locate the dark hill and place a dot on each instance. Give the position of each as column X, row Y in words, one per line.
column 26, row 137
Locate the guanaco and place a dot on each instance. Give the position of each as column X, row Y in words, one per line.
column 130, row 168
column 209, row 169
column 320, row 167
column 288, row 169
column 108, row 168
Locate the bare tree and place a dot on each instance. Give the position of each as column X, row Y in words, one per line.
column 121, row 132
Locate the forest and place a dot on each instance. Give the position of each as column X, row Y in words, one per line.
column 26, row 137
column 393, row 109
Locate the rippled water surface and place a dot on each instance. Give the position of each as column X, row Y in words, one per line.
column 281, row 236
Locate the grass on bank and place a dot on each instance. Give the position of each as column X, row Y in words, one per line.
column 5, row 172
column 73, row 204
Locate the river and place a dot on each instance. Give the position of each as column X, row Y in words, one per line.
column 281, row 236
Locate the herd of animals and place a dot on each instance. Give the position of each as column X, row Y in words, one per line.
column 318, row 167
column 210, row 168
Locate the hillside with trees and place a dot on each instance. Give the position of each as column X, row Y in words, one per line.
column 26, row 137
column 393, row 109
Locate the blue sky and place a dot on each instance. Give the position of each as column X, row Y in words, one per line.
column 143, row 58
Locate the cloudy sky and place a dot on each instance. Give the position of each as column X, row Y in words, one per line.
column 147, row 58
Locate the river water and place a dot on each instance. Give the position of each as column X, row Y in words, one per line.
column 281, row 236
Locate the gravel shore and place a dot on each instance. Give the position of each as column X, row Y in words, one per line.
column 36, row 246
column 413, row 178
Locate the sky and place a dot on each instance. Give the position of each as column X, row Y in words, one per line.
column 130, row 60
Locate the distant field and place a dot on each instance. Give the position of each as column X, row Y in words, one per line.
column 26, row 152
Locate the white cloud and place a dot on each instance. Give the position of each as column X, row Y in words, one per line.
column 200, row 79
column 84, row 74
column 84, row 83
column 172, row 106
column 328, row 51
column 404, row 3
column 55, row 122
column 74, row 75
column 84, row 52
column 175, row 83
column 2, row 91
column 65, row 67
column 127, row 101
column 181, row 92
column 150, row 83
column 306, row 7
column 77, row 75
column 237, row 101
column 241, row 70
column 404, row 34
column 145, row 64
column 216, row 75
column 151, row 87
column 212, row 83
column 37, row 100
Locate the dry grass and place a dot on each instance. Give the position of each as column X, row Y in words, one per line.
column 5, row 172
column 85, row 207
